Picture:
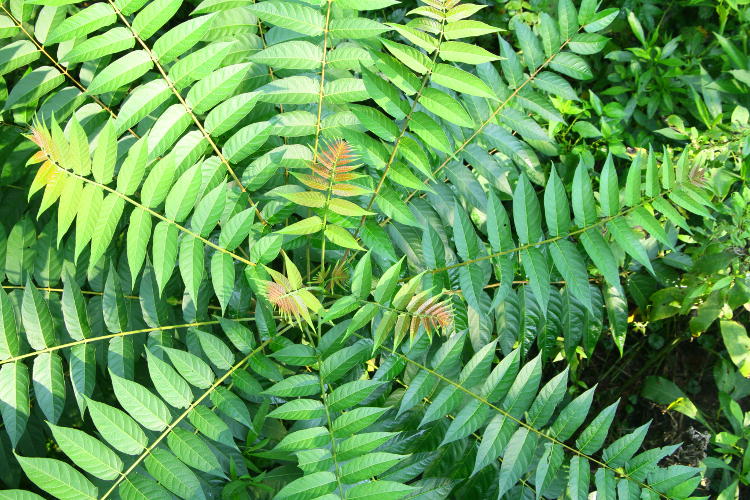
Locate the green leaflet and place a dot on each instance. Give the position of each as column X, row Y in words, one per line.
column 16, row 54
column 236, row 229
column 307, row 226
column 9, row 339
column 33, row 86
column 37, row 320
column 105, row 154
column 344, row 90
column 410, row 56
column 465, row 53
column 350, row 394
column 609, row 194
column 82, row 23
column 298, row 409
column 189, row 68
column 549, row 466
column 170, row 386
column 339, row 363
column 297, row 385
column 128, row 7
column 567, row 18
column 624, row 236
column 164, row 255
column 170, row 125
column 246, row 141
column 142, row 405
column 232, row 110
column 153, row 16
column 7, row 28
column 569, row 262
column 467, row 421
column 180, row 38
column 215, row 350
column 124, row 70
column 587, row 43
column 619, row 452
column 429, row 131
column 355, row 420
column 735, row 338
column 82, row 373
column 139, row 232
column 374, row 5
column 133, row 169
column 579, row 477
column 398, row 73
column 173, row 474
column 49, row 385
column 14, row 399
column 191, row 367
column 511, row 65
column 232, row 406
column 208, row 211
column 296, row 17
column 572, row 416
column 110, row 42
column 445, row 107
column 584, row 207
column 191, row 264
column 467, row 28
column 216, row 87
column 22, row 494
column 526, row 213
column 78, row 148
column 530, row 45
column 556, row 211
column 290, row 55
column 193, row 451
column 341, row 237
column 368, row 465
column 312, row 437
column 67, row 207
column 384, row 95
column 87, row 452
column 211, row 425
column 57, row 478
column 308, row 487
column 139, row 486
column 467, row 243
column 381, row 489
column 571, row 65
column 601, row 20
column 518, row 455
column 592, row 437
column 461, row 81
column 356, row 28
column 141, row 101
column 120, row 430
column 547, row 400
column 222, row 277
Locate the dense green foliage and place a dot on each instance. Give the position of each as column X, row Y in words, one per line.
column 358, row 249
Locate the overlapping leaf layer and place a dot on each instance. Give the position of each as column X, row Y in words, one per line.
column 279, row 249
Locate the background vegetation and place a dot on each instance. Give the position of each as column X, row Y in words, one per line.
column 357, row 249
